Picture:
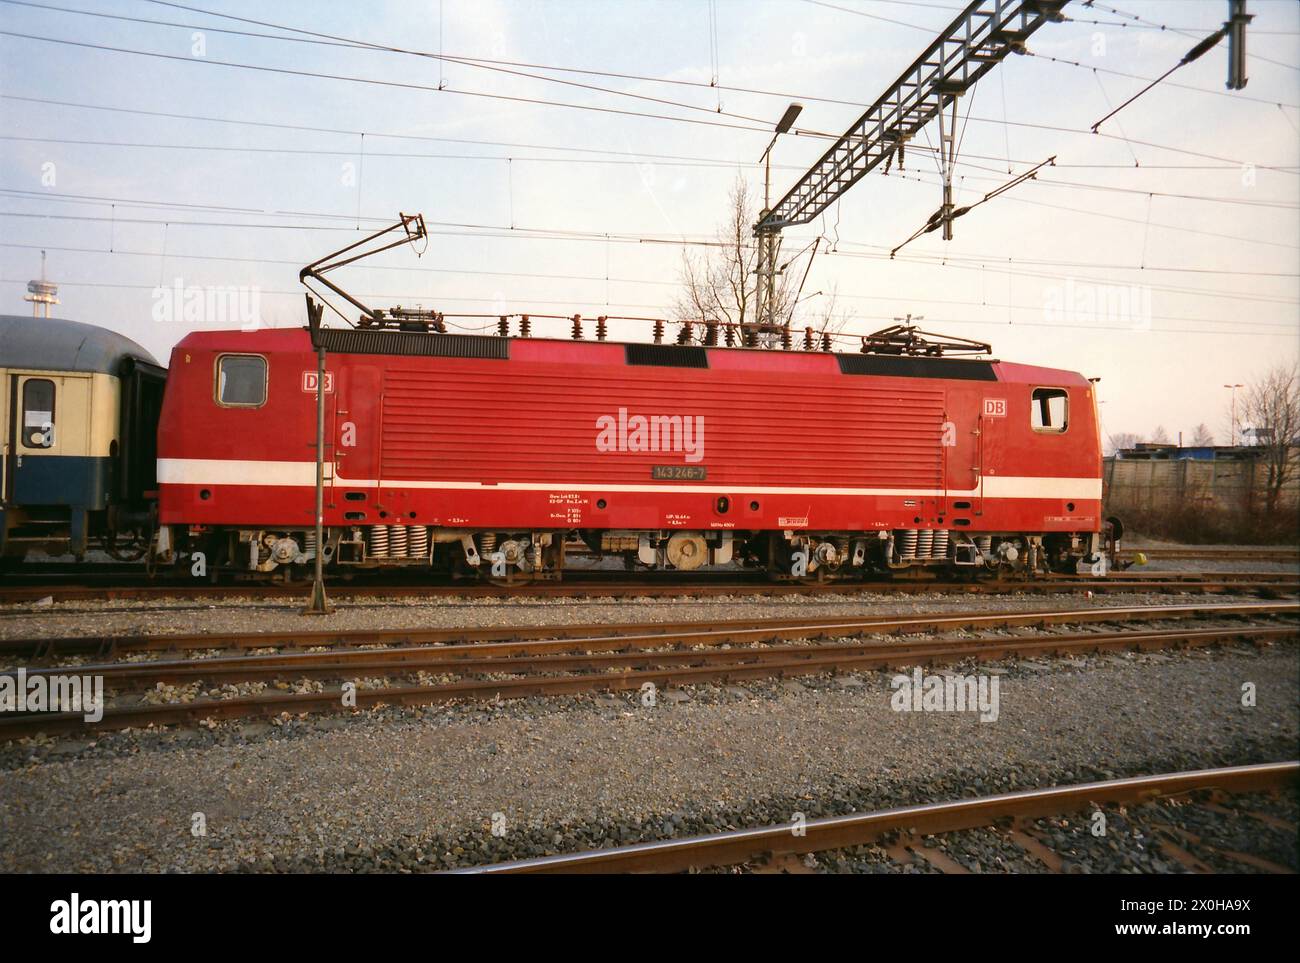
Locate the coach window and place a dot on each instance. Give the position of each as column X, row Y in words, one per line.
column 1050, row 410
column 241, row 380
column 38, row 413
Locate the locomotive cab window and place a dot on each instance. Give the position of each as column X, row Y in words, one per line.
column 241, row 380
column 1049, row 410
column 38, row 413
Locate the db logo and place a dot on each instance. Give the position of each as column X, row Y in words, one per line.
column 309, row 381
column 995, row 407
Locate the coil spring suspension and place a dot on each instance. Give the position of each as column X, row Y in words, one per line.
column 377, row 541
column 924, row 543
column 418, row 544
column 397, row 541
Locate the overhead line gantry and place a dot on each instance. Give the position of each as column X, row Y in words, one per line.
column 968, row 48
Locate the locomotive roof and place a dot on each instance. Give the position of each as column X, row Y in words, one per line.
column 394, row 344
column 56, row 344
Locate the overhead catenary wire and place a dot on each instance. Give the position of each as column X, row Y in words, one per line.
column 571, row 303
column 1235, row 95
column 337, row 41
column 556, row 231
column 677, row 161
column 1226, row 164
column 1192, row 55
column 940, row 217
column 333, row 40
column 1002, row 266
column 540, row 234
column 397, row 84
column 1184, row 31
column 1098, row 186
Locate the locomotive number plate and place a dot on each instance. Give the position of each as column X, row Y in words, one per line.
column 679, row 473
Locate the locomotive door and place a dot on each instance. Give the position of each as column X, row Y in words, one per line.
column 358, row 428
column 992, row 426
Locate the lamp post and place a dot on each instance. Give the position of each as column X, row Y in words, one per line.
column 1235, row 440
column 765, row 275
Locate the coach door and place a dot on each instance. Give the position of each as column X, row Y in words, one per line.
column 48, row 439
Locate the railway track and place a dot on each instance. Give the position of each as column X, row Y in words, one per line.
column 1283, row 555
column 497, row 663
column 605, row 635
column 17, row 590
column 842, row 832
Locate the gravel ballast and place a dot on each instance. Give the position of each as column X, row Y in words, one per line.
column 162, row 617
column 421, row 790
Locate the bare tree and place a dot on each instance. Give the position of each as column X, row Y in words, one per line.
column 1160, row 436
column 718, row 282
column 1121, row 441
column 1271, row 406
column 1202, row 437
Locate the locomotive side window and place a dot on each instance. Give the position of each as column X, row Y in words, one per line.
column 38, row 413
column 1049, row 410
column 241, row 380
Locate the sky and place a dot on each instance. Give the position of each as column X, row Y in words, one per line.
column 1161, row 255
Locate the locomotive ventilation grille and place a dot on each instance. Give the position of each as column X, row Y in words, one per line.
column 668, row 355
column 885, row 365
column 345, row 341
column 479, row 427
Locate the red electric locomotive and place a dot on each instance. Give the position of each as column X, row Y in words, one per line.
column 491, row 454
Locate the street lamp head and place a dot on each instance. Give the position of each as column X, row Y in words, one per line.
column 788, row 118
